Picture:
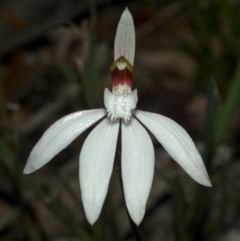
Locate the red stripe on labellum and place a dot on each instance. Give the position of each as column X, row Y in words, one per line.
column 121, row 77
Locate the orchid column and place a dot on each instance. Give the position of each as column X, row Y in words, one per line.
column 122, row 100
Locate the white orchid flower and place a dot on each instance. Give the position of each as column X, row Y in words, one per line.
column 98, row 151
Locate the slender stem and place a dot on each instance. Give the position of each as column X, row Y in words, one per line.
column 132, row 224
column 113, row 218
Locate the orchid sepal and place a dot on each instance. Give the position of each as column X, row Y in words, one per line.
column 124, row 44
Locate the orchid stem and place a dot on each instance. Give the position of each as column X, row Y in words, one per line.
column 134, row 227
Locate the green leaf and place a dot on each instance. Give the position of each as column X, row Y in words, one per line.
column 7, row 157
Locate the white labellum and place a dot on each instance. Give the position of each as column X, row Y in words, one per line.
column 120, row 103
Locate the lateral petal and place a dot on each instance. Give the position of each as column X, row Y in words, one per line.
column 137, row 168
column 96, row 164
column 124, row 45
column 60, row 135
column 178, row 144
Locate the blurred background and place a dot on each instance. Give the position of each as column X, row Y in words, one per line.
column 55, row 57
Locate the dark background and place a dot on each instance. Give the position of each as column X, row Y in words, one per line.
column 55, row 58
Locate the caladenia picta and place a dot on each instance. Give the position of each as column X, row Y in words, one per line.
column 98, row 151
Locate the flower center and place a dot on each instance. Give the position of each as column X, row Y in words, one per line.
column 120, row 104
column 123, row 100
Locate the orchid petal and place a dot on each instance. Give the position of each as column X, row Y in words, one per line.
column 96, row 164
column 178, row 144
column 60, row 135
column 137, row 168
column 124, row 45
